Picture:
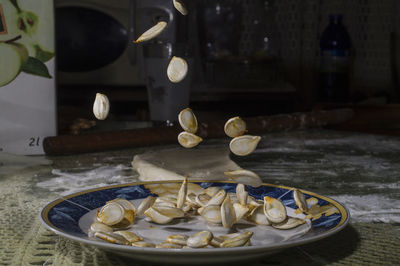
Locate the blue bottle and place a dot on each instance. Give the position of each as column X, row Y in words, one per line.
column 335, row 47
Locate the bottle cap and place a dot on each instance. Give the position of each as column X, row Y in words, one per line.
column 335, row 18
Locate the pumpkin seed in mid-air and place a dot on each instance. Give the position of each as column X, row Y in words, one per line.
column 152, row 32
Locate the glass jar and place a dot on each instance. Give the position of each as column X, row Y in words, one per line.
column 239, row 43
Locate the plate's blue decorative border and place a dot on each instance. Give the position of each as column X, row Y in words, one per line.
column 64, row 214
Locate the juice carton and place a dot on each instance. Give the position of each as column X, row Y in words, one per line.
column 27, row 67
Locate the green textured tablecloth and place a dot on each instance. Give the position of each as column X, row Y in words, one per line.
column 362, row 171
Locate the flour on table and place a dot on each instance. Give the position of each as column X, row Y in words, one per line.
column 70, row 182
column 371, row 208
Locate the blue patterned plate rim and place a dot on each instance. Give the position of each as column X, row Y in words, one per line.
column 44, row 217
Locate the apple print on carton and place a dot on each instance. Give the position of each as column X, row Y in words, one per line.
column 24, row 44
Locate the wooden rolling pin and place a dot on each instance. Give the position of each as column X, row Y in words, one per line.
column 69, row 144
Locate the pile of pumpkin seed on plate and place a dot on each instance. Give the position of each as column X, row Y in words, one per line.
column 214, row 205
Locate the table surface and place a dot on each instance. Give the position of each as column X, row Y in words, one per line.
column 359, row 170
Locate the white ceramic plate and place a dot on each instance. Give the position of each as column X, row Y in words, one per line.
column 72, row 215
